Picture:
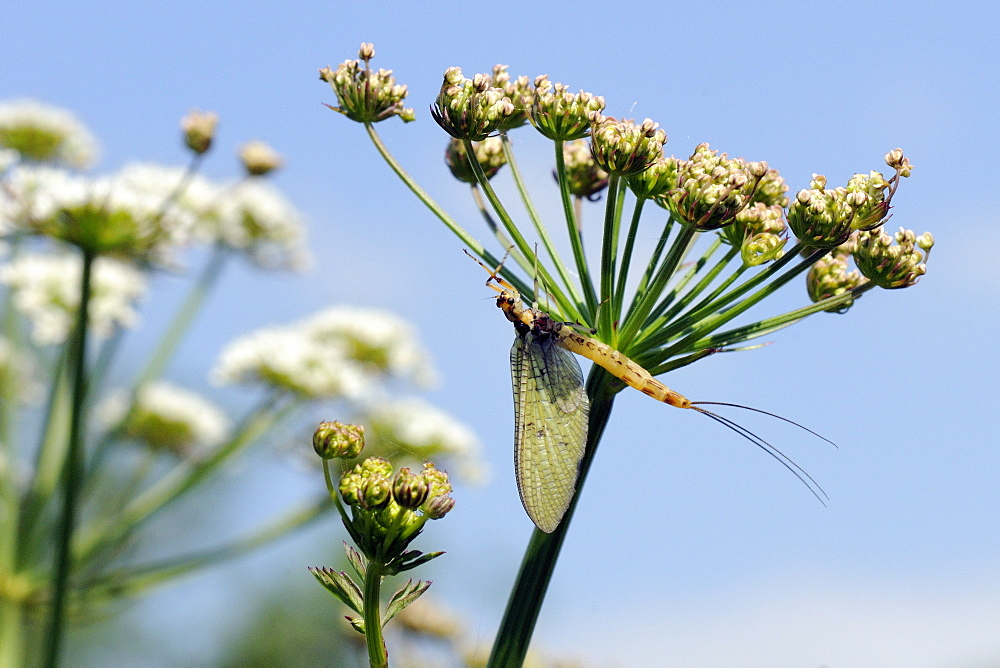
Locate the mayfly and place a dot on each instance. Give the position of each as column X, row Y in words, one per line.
column 551, row 407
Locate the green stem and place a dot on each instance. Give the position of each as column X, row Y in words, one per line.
column 607, row 332
column 442, row 215
column 543, row 234
column 573, row 231
column 72, row 471
column 377, row 655
column 525, row 603
column 633, row 230
column 183, row 319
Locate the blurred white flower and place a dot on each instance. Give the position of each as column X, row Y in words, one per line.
column 379, row 340
column 44, row 134
column 46, row 289
column 414, row 428
column 290, row 359
column 128, row 214
column 254, row 218
column 166, row 417
column 18, row 382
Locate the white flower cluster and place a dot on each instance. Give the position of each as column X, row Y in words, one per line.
column 33, row 196
column 328, row 355
column 379, row 340
column 417, row 429
column 166, row 417
column 254, row 218
column 46, row 288
column 57, row 134
column 289, row 359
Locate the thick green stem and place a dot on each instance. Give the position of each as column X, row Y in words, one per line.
column 72, row 472
column 377, row 655
column 525, row 603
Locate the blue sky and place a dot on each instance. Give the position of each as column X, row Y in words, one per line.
column 724, row 559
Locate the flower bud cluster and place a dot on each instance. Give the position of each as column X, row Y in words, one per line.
column 489, row 153
column 760, row 233
column 388, row 510
column 259, row 159
column 656, row 180
column 364, row 95
column 561, row 115
column 199, row 130
column 624, row 148
column 889, row 265
column 821, row 217
column 585, row 178
column 713, row 188
column 829, row 277
column 471, row 109
column 520, row 93
column 337, row 440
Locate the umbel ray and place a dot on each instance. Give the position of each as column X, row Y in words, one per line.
column 551, row 406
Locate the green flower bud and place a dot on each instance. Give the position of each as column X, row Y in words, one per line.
column 655, row 182
column 364, row 95
column 829, row 277
column 410, row 490
column 199, row 130
column 584, row 177
column 438, row 507
column 756, row 219
column 334, row 439
column 471, row 108
column 560, row 115
column 489, row 153
column 712, row 188
column 762, row 247
column 375, row 493
column 352, row 483
column 887, row 265
column 624, row 148
column 821, row 218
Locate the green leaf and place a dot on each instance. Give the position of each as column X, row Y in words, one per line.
column 340, row 585
column 409, row 593
column 356, row 560
column 402, row 565
column 357, row 623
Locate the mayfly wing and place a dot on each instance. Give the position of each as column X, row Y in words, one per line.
column 550, row 426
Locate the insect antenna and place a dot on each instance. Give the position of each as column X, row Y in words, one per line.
column 786, row 461
column 763, row 412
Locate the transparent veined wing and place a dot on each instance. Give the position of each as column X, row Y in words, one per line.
column 550, row 426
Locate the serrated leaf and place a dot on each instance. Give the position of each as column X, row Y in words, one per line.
column 340, row 585
column 409, row 593
column 422, row 559
column 356, row 560
column 357, row 623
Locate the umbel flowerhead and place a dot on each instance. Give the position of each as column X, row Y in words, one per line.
column 471, row 109
column 712, row 188
column 388, row 510
column 366, row 96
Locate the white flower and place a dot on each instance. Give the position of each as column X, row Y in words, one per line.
column 41, row 133
column 46, row 288
column 377, row 339
column 8, row 158
column 18, row 382
column 139, row 217
column 417, row 429
column 166, row 417
column 254, row 218
column 289, row 359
